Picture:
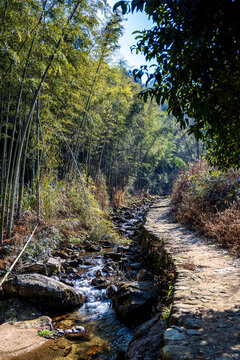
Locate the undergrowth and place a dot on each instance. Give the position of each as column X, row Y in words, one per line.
column 68, row 214
column 209, row 200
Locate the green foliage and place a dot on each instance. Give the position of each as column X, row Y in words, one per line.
column 44, row 333
column 170, row 293
column 57, row 78
column 76, row 240
column 165, row 313
column 195, row 46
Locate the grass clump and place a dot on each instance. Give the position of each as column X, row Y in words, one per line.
column 209, row 200
column 44, row 333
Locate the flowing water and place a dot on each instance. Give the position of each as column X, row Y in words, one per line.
column 107, row 335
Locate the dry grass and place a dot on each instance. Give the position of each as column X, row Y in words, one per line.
column 225, row 227
column 118, row 197
column 208, row 200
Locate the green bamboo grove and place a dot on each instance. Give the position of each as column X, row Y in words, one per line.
column 57, row 73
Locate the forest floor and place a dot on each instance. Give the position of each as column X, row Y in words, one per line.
column 206, row 304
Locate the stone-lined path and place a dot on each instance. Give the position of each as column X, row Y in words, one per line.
column 205, row 321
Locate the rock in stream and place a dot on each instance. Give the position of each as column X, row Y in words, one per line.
column 133, row 302
column 43, row 290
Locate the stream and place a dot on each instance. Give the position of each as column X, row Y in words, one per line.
column 96, row 278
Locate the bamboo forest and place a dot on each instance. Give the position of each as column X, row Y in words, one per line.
column 119, row 184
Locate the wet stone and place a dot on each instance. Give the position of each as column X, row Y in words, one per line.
column 73, row 263
column 99, row 283
column 133, row 302
column 43, row 290
column 94, row 248
column 111, row 291
column 87, row 262
column 147, row 340
column 224, row 325
column 144, row 275
column 135, row 266
column 113, row 256
column 67, row 282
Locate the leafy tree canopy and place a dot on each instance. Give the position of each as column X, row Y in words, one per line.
column 196, row 46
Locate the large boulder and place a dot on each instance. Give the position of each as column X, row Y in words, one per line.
column 43, row 290
column 133, row 302
column 18, row 338
column 147, row 340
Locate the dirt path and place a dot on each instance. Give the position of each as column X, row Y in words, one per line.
column 205, row 322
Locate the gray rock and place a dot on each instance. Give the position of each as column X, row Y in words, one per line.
column 77, row 333
column 192, row 323
column 113, row 256
column 37, row 267
column 176, row 352
column 172, row 334
column 194, row 332
column 147, row 340
column 42, row 323
column 133, row 302
column 54, row 265
column 43, row 290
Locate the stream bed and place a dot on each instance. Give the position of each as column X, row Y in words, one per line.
column 97, row 277
column 106, row 332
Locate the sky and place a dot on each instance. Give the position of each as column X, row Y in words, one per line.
column 133, row 22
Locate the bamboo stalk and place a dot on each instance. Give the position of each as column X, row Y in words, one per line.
column 30, row 117
column 18, row 257
column 77, row 167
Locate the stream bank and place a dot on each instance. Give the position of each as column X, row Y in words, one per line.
column 121, row 293
column 199, row 320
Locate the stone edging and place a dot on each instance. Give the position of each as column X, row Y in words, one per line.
column 205, row 319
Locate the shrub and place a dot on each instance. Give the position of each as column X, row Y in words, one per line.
column 208, row 199
column 64, row 206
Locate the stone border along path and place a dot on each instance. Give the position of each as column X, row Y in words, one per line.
column 205, row 320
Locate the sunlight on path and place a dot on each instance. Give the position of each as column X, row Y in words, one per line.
column 206, row 306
